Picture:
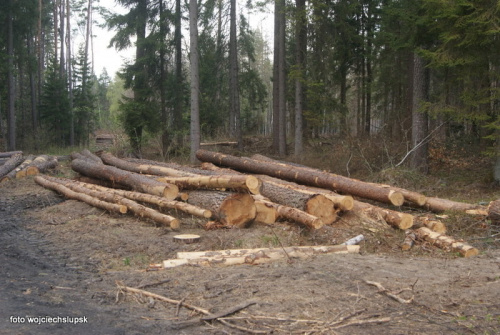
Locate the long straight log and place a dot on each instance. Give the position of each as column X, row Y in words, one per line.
column 445, row 242
column 142, row 168
column 236, row 182
column 133, row 180
column 11, row 164
column 310, row 177
column 93, row 201
column 291, row 213
column 441, row 205
column 231, row 209
column 134, row 207
column 152, row 199
column 8, row 154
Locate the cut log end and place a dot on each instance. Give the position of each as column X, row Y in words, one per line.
column 321, row 207
column 346, row 203
column 406, row 221
column 396, row 198
column 170, row 192
column 253, row 184
column 238, row 210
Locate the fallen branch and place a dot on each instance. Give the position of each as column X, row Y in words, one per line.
column 382, row 289
column 445, row 242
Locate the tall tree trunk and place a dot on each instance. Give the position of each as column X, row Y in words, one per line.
column 276, row 103
column 11, row 115
column 177, row 116
column 419, row 158
column 163, row 105
column 195, row 80
column 282, row 79
column 300, row 53
column 33, row 101
column 56, row 30
column 234, row 91
column 62, row 61
column 70, row 74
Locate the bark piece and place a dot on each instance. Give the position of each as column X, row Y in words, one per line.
column 11, row 164
column 231, row 209
column 408, row 241
column 445, row 242
column 133, row 180
column 111, row 207
column 291, row 213
column 393, row 218
column 307, row 176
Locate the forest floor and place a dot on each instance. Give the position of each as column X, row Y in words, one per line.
column 63, row 258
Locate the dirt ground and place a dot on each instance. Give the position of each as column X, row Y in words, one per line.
column 62, row 258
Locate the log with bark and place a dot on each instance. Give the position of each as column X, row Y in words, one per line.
column 244, row 183
column 152, row 199
column 69, row 193
column 393, row 218
column 90, row 155
column 441, row 205
column 11, row 164
column 434, row 225
column 134, row 207
column 231, row 209
column 135, row 181
column 310, row 177
column 9, row 154
column 157, row 170
column 494, row 212
column 12, row 174
column 40, row 164
column 341, row 202
column 289, row 213
column 255, row 256
column 445, row 242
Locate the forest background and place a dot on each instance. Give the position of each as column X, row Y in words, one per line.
column 402, row 74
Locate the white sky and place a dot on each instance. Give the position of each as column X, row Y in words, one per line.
column 113, row 60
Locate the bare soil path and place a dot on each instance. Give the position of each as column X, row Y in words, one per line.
column 62, row 259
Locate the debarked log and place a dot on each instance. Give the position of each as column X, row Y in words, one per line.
column 69, row 193
column 237, row 182
column 393, row 218
column 308, row 176
column 231, row 209
column 134, row 207
column 133, row 180
column 255, row 256
column 445, row 242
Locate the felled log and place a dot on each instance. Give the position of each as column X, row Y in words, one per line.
column 408, row 241
column 393, row 218
column 494, row 212
column 231, row 209
column 111, row 207
column 12, row 174
column 134, row 207
column 445, row 242
column 255, row 256
column 434, row 225
column 290, row 213
column 310, row 177
column 237, row 182
column 441, row 205
column 133, row 180
column 11, row 164
column 8, row 154
column 341, row 202
column 266, row 212
column 39, row 164
column 152, row 199
column 142, row 168
column 226, row 143
column 89, row 155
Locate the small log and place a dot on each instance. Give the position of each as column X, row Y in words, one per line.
column 12, row 174
column 434, row 225
column 393, row 218
column 11, row 164
column 40, row 164
column 133, row 180
column 494, row 212
column 236, row 182
column 134, row 207
column 89, row 155
column 111, row 207
column 309, row 176
column 441, row 205
column 445, row 242
column 291, row 213
column 231, row 209
column 408, row 241
column 77, row 155
column 255, row 256
column 266, row 212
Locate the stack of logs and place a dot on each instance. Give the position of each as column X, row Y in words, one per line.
column 222, row 192
column 15, row 165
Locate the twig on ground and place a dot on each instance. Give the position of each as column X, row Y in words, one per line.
column 392, row 295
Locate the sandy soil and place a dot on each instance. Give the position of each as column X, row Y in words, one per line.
column 62, row 258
